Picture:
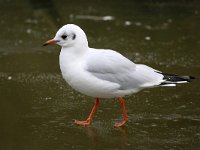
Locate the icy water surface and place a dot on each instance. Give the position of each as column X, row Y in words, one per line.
column 37, row 107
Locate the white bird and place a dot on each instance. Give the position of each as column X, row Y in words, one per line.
column 103, row 73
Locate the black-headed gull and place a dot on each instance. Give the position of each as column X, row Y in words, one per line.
column 103, row 73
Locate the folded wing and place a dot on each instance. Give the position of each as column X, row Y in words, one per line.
column 113, row 67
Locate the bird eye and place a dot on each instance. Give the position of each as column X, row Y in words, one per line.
column 64, row 37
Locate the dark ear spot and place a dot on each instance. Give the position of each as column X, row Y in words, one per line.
column 73, row 36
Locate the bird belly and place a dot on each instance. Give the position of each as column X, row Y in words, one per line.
column 85, row 83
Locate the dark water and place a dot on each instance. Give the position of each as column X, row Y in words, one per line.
column 37, row 108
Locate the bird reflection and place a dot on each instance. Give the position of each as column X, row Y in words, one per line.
column 95, row 136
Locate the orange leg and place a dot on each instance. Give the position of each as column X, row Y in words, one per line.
column 89, row 119
column 121, row 123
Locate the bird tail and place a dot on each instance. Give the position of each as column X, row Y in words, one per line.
column 172, row 79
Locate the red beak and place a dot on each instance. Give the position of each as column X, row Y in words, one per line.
column 50, row 42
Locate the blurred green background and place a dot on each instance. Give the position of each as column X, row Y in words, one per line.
column 37, row 107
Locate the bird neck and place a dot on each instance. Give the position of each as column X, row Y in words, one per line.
column 74, row 53
column 69, row 59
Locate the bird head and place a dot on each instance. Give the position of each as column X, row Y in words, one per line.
column 68, row 36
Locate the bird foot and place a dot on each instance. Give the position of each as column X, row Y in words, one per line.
column 120, row 124
column 83, row 123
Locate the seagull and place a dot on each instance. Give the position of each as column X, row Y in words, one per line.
column 104, row 73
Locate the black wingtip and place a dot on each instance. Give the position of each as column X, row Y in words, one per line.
column 173, row 78
column 191, row 77
column 188, row 78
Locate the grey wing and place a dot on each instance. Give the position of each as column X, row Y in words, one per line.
column 113, row 67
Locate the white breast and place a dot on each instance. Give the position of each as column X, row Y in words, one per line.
column 72, row 68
